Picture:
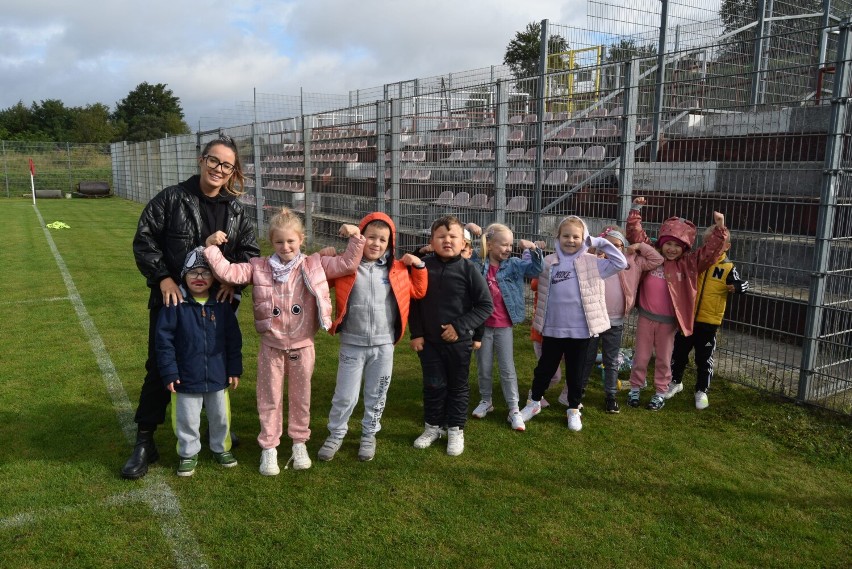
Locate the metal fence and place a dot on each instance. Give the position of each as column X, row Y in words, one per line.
column 59, row 166
column 747, row 118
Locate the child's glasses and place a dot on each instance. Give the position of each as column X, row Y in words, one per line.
column 200, row 274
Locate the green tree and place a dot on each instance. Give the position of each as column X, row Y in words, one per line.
column 149, row 112
column 523, row 53
column 92, row 124
column 16, row 122
column 52, row 120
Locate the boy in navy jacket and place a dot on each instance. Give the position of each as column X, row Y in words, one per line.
column 199, row 354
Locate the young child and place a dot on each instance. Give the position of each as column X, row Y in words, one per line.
column 571, row 309
column 667, row 296
column 504, row 275
column 199, row 354
column 443, row 322
column 372, row 314
column 620, row 298
column 714, row 286
column 467, row 252
column 291, row 301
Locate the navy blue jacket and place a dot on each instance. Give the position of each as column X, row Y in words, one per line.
column 199, row 344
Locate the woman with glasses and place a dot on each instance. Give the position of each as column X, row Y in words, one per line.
column 177, row 220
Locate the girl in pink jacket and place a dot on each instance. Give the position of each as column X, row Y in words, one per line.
column 291, row 301
column 621, row 292
column 667, row 296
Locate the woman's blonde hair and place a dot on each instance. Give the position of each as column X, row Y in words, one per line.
column 489, row 233
column 237, row 181
column 286, row 219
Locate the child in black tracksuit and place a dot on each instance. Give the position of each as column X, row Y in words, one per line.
column 443, row 324
column 714, row 286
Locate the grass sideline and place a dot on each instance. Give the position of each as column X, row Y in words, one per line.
column 753, row 481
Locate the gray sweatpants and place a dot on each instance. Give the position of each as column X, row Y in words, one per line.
column 186, row 420
column 375, row 365
column 499, row 341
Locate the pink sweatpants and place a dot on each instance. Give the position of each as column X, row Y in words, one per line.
column 273, row 365
column 658, row 338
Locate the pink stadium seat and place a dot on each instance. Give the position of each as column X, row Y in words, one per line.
column 515, row 154
column 455, row 155
column 446, row 198
column 490, row 204
column 517, row 135
column 552, row 152
column 531, row 118
column 469, row 154
column 584, row 131
column 594, row 153
column 516, row 177
column 597, row 112
column 478, row 201
column 517, row 203
column 461, row 199
column 565, row 133
column 485, row 154
column 578, row 176
column 516, row 119
column 418, row 155
column 530, row 155
column 607, row 129
column 573, row 153
column 547, row 117
column 556, row 178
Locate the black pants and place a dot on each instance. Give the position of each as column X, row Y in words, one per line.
column 154, row 397
column 446, row 387
column 554, row 350
column 703, row 340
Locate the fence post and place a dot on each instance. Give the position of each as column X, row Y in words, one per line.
column 539, row 125
column 5, row 167
column 258, row 176
column 307, row 133
column 396, row 109
column 381, row 127
column 661, row 80
column 627, row 161
column 500, row 162
column 70, row 171
column 757, row 64
column 831, row 180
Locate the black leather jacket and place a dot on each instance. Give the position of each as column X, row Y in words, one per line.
column 170, row 226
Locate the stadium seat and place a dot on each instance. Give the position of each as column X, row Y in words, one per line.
column 556, row 178
column 595, row 153
column 517, row 203
column 552, row 152
column 461, row 199
column 515, row 154
column 478, row 201
column 446, row 198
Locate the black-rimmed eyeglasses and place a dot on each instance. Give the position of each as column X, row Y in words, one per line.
column 213, row 163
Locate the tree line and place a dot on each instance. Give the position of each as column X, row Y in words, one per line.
column 148, row 112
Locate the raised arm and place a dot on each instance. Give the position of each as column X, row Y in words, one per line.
column 226, row 271
column 635, row 232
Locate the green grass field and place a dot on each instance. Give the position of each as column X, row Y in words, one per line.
column 753, row 481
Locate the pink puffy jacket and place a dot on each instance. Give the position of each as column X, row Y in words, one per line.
column 288, row 315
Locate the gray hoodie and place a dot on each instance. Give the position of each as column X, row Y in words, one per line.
column 372, row 308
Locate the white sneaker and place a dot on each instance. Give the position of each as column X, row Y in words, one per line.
column 674, row 389
column 269, row 462
column 532, row 409
column 483, row 409
column 430, row 434
column 701, row 401
column 563, row 397
column 575, row 423
column 517, row 421
column 544, row 402
column 455, row 441
column 299, row 458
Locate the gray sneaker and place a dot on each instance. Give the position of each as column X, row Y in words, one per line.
column 329, row 448
column 367, row 450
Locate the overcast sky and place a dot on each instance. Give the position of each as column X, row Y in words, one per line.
column 213, row 54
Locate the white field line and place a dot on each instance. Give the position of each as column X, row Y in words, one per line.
column 158, row 494
column 33, row 300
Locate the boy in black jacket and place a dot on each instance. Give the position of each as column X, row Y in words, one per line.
column 443, row 324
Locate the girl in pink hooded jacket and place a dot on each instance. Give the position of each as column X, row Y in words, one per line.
column 666, row 300
column 291, row 301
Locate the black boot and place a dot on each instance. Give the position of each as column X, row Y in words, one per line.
column 144, row 453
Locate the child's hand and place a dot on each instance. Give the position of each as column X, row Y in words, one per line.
column 632, row 248
column 417, row 344
column 216, row 239
column 524, row 244
column 639, row 201
column 718, row 219
column 226, row 292
column 449, row 334
column 328, row 252
column 171, row 386
column 541, row 244
column 474, row 229
column 409, row 260
column 476, row 345
column 426, row 249
column 234, row 381
column 347, row 230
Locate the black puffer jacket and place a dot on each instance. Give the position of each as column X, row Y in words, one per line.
column 170, row 226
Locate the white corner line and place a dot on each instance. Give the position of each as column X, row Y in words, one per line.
column 160, row 496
